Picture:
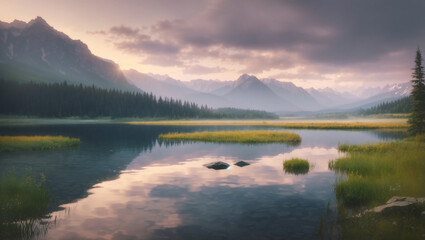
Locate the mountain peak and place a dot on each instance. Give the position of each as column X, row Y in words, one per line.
column 243, row 77
column 18, row 24
column 39, row 21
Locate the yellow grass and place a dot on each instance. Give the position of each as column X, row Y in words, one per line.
column 25, row 143
column 258, row 136
column 284, row 124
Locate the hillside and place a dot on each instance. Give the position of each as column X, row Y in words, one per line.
column 37, row 52
column 403, row 105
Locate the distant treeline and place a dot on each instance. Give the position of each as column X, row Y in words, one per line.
column 403, row 105
column 65, row 100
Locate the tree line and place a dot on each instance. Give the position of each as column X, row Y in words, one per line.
column 65, row 100
column 402, row 105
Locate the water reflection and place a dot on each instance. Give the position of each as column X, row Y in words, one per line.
column 134, row 188
column 185, row 200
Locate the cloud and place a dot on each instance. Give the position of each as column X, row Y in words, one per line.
column 201, row 70
column 265, row 35
column 124, row 31
column 144, row 44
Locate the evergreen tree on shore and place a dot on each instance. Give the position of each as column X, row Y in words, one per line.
column 417, row 117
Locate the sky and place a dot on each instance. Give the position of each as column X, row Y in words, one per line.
column 331, row 43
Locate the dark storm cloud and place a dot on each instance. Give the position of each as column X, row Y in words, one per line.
column 324, row 37
column 339, row 32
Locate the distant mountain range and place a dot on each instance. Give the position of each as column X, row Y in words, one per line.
column 35, row 51
column 249, row 92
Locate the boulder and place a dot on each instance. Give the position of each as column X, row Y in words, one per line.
column 217, row 165
column 242, row 164
column 395, row 204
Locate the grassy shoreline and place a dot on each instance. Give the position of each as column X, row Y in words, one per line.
column 24, row 201
column 378, row 171
column 375, row 173
column 33, row 143
column 250, row 137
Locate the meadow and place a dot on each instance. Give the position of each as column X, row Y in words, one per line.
column 375, row 173
column 32, row 143
column 250, row 137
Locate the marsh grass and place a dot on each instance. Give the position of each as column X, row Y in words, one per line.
column 32, row 143
column 296, row 166
column 295, row 125
column 247, row 137
column 23, row 203
column 376, row 172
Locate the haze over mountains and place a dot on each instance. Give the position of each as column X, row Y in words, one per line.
column 35, row 51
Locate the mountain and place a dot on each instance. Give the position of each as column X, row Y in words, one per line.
column 167, row 79
column 35, row 51
column 388, row 93
column 249, row 92
column 329, row 98
column 291, row 93
column 207, row 86
column 164, row 86
column 161, row 88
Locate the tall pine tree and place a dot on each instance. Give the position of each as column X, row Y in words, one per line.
column 417, row 117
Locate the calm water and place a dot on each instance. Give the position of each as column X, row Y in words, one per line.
column 124, row 184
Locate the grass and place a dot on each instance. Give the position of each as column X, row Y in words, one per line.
column 250, row 137
column 296, row 166
column 32, row 143
column 284, row 124
column 23, row 202
column 376, row 172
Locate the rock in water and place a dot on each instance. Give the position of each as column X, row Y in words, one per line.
column 217, row 165
column 242, row 164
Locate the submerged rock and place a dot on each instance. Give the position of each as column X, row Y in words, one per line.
column 217, row 165
column 242, row 164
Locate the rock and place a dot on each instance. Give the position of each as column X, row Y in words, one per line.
column 395, row 204
column 423, row 215
column 217, row 165
column 401, row 199
column 242, row 164
column 420, row 200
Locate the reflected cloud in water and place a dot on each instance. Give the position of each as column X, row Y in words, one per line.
column 186, row 199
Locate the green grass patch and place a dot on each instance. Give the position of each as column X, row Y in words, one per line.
column 378, row 171
column 296, row 166
column 32, row 143
column 23, row 202
column 249, row 137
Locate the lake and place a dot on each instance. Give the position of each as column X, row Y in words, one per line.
column 122, row 183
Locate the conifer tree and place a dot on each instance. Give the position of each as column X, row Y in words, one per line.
column 417, row 117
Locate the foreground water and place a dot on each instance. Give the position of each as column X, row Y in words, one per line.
column 124, row 184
